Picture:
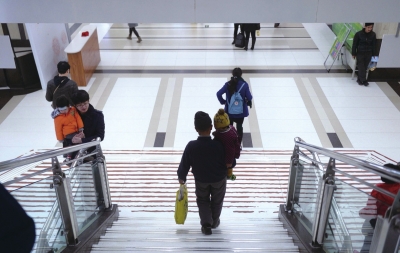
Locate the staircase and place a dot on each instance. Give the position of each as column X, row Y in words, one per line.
column 144, row 188
column 157, row 232
column 144, row 184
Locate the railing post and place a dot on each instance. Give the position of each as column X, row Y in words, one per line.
column 100, row 178
column 294, row 161
column 98, row 149
column 104, row 182
column 62, row 186
column 324, row 198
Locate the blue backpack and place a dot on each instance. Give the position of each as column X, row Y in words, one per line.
column 235, row 105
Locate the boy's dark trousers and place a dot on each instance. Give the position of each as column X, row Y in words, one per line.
column 363, row 60
column 210, row 207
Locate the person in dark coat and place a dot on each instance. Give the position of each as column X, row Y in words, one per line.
column 60, row 85
column 93, row 119
column 364, row 47
column 17, row 229
column 206, row 157
column 229, row 89
column 250, row 28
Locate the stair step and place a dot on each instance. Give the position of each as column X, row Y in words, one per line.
column 144, row 232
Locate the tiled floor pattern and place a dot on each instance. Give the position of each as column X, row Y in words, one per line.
column 155, row 87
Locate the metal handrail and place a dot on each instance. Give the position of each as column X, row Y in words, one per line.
column 21, row 161
column 373, row 186
column 379, row 170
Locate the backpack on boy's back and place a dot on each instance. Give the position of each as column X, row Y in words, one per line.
column 235, row 105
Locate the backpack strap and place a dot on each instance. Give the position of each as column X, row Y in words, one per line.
column 241, row 87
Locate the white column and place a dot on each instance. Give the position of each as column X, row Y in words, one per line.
column 48, row 42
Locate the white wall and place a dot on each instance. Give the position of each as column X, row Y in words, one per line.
column 48, row 42
column 201, row 11
column 389, row 55
column 385, row 28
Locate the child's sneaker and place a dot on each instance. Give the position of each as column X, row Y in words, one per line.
column 230, row 175
column 233, row 177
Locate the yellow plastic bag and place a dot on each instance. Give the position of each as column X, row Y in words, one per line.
column 181, row 205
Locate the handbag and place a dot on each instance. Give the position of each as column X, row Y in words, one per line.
column 181, row 204
column 240, row 40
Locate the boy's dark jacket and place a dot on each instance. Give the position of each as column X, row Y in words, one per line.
column 206, row 157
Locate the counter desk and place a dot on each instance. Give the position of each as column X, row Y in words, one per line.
column 83, row 55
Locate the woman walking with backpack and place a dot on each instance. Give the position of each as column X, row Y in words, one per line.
column 238, row 97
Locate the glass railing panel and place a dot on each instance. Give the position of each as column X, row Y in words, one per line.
column 356, row 209
column 306, row 191
column 38, row 200
column 51, row 237
column 84, row 194
column 337, row 231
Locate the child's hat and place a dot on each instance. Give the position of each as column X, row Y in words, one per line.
column 221, row 119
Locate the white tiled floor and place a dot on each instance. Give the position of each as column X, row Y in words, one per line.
column 367, row 115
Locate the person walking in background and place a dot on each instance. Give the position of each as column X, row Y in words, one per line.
column 60, row 85
column 276, row 25
column 133, row 29
column 228, row 136
column 235, row 31
column 236, row 84
column 206, row 157
column 364, row 47
column 250, row 28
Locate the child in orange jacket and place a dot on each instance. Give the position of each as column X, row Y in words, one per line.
column 67, row 121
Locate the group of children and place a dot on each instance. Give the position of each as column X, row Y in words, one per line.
column 67, row 122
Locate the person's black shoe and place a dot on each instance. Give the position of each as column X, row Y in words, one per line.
column 365, row 83
column 359, row 82
column 215, row 224
column 206, row 229
column 233, row 43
